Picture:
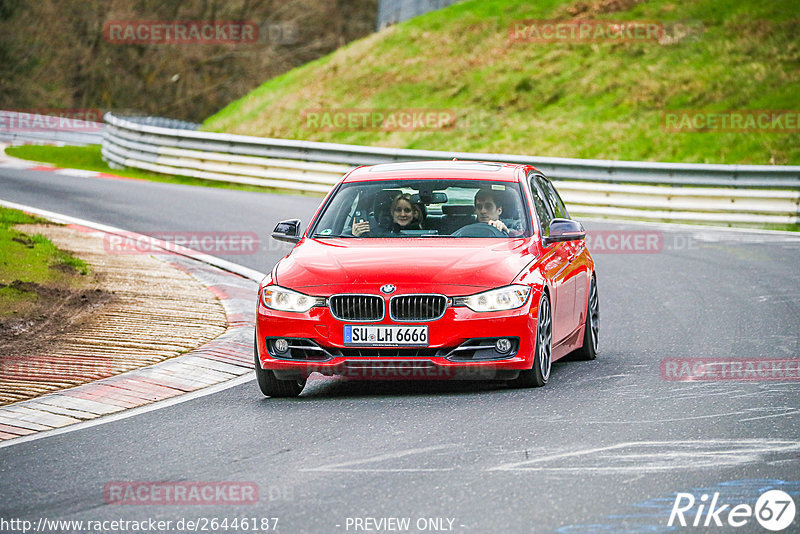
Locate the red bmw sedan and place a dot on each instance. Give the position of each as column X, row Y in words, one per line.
column 429, row 270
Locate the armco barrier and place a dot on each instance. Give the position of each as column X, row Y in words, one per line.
column 733, row 194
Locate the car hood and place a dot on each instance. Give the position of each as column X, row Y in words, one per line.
column 418, row 263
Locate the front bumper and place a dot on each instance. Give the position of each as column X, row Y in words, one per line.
column 458, row 346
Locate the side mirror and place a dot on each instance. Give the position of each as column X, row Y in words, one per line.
column 288, row 231
column 564, row 230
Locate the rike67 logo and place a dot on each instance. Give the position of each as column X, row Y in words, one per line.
column 774, row 510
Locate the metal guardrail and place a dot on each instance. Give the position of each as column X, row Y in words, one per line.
column 20, row 127
column 162, row 122
column 394, row 11
column 620, row 189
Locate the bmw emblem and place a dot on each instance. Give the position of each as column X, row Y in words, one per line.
column 387, row 289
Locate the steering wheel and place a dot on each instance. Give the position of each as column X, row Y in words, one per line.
column 479, row 229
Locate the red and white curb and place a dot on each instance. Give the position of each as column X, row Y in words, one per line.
column 224, row 362
column 10, row 162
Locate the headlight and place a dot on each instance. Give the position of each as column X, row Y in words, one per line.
column 280, row 298
column 503, row 298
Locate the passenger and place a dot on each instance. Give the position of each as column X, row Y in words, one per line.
column 489, row 207
column 405, row 216
column 419, row 215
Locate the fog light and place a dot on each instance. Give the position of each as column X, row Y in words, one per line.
column 281, row 345
column 502, row 345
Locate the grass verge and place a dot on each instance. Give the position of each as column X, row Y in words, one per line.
column 604, row 99
column 28, row 262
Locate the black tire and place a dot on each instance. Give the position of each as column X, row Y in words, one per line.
column 592, row 327
column 271, row 386
column 539, row 373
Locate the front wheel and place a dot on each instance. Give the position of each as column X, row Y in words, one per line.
column 537, row 375
column 271, row 386
column 592, row 327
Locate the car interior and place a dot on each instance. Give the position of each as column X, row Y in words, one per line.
column 446, row 210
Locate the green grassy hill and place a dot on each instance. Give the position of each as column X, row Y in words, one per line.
column 585, row 100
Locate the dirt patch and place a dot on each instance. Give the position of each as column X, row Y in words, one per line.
column 56, row 314
column 24, row 240
column 65, row 268
column 599, row 7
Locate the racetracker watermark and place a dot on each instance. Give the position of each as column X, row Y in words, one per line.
column 233, row 524
column 180, row 493
column 636, row 242
column 233, row 243
column 378, row 120
column 179, row 32
column 735, row 121
column 730, row 369
column 49, row 368
column 585, row 31
column 774, row 510
column 49, row 119
column 279, row 33
column 378, row 370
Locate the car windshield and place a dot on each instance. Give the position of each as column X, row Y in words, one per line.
column 425, row 208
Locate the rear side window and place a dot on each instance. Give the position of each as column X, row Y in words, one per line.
column 553, row 199
column 542, row 209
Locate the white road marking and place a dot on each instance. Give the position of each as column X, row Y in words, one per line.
column 689, row 418
column 133, row 411
column 347, row 466
column 78, row 173
column 670, row 456
column 792, row 412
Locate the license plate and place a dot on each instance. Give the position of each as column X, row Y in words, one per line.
column 385, row 336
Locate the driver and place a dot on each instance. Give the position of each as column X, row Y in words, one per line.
column 489, row 207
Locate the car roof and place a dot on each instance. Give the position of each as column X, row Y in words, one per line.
column 451, row 169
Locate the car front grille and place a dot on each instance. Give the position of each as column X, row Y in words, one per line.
column 307, row 350
column 383, row 352
column 417, row 307
column 357, row 307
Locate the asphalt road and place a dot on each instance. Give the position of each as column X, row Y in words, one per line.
column 604, row 447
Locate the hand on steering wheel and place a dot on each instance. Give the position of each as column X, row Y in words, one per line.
column 479, row 230
column 500, row 225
